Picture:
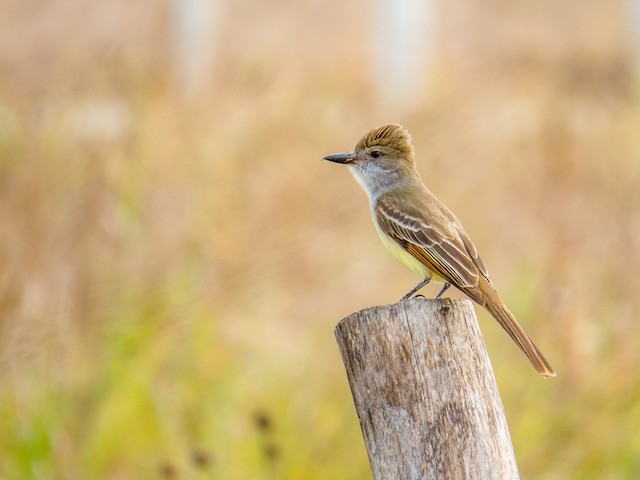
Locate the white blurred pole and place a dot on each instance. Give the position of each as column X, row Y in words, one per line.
column 633, row 22
column 194, row 24
column 404, row 34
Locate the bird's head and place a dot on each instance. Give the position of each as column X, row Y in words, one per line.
column 382, row 160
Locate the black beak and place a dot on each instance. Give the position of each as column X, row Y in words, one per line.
column 340, row 157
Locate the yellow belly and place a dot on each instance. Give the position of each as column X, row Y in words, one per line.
column 406, row 258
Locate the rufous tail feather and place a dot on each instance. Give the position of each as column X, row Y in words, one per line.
column 505, row 318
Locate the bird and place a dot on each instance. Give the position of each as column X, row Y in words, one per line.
column 421, row 232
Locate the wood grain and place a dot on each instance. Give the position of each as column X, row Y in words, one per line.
column 425, row 393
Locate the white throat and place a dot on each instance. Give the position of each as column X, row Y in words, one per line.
column 375, row 180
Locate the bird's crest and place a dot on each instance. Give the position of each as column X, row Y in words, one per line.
column 392, row 136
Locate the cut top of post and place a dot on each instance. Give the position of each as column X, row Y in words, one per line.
column 425, row 392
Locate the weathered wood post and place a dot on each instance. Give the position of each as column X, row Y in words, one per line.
column 425, row 393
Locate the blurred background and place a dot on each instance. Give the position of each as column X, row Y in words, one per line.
column 174, row 255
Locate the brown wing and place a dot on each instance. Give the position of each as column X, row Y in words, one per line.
column 444, row 247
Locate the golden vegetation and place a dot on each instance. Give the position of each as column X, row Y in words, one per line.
column 171, row 268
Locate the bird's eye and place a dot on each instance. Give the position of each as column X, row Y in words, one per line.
column 376, row 154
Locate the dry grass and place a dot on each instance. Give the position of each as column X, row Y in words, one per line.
column 171, row 269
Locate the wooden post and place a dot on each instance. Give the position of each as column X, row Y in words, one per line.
column 424, row 391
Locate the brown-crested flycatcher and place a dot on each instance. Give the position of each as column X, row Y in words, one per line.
column 421, row 232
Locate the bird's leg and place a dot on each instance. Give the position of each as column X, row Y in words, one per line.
column 444, row 289
column 422, row 283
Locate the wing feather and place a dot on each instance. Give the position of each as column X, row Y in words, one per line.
column 450, row 254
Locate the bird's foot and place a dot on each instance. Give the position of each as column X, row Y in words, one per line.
column 445, row 287
column 422, row 283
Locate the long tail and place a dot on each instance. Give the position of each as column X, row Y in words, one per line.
column 505, row 318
